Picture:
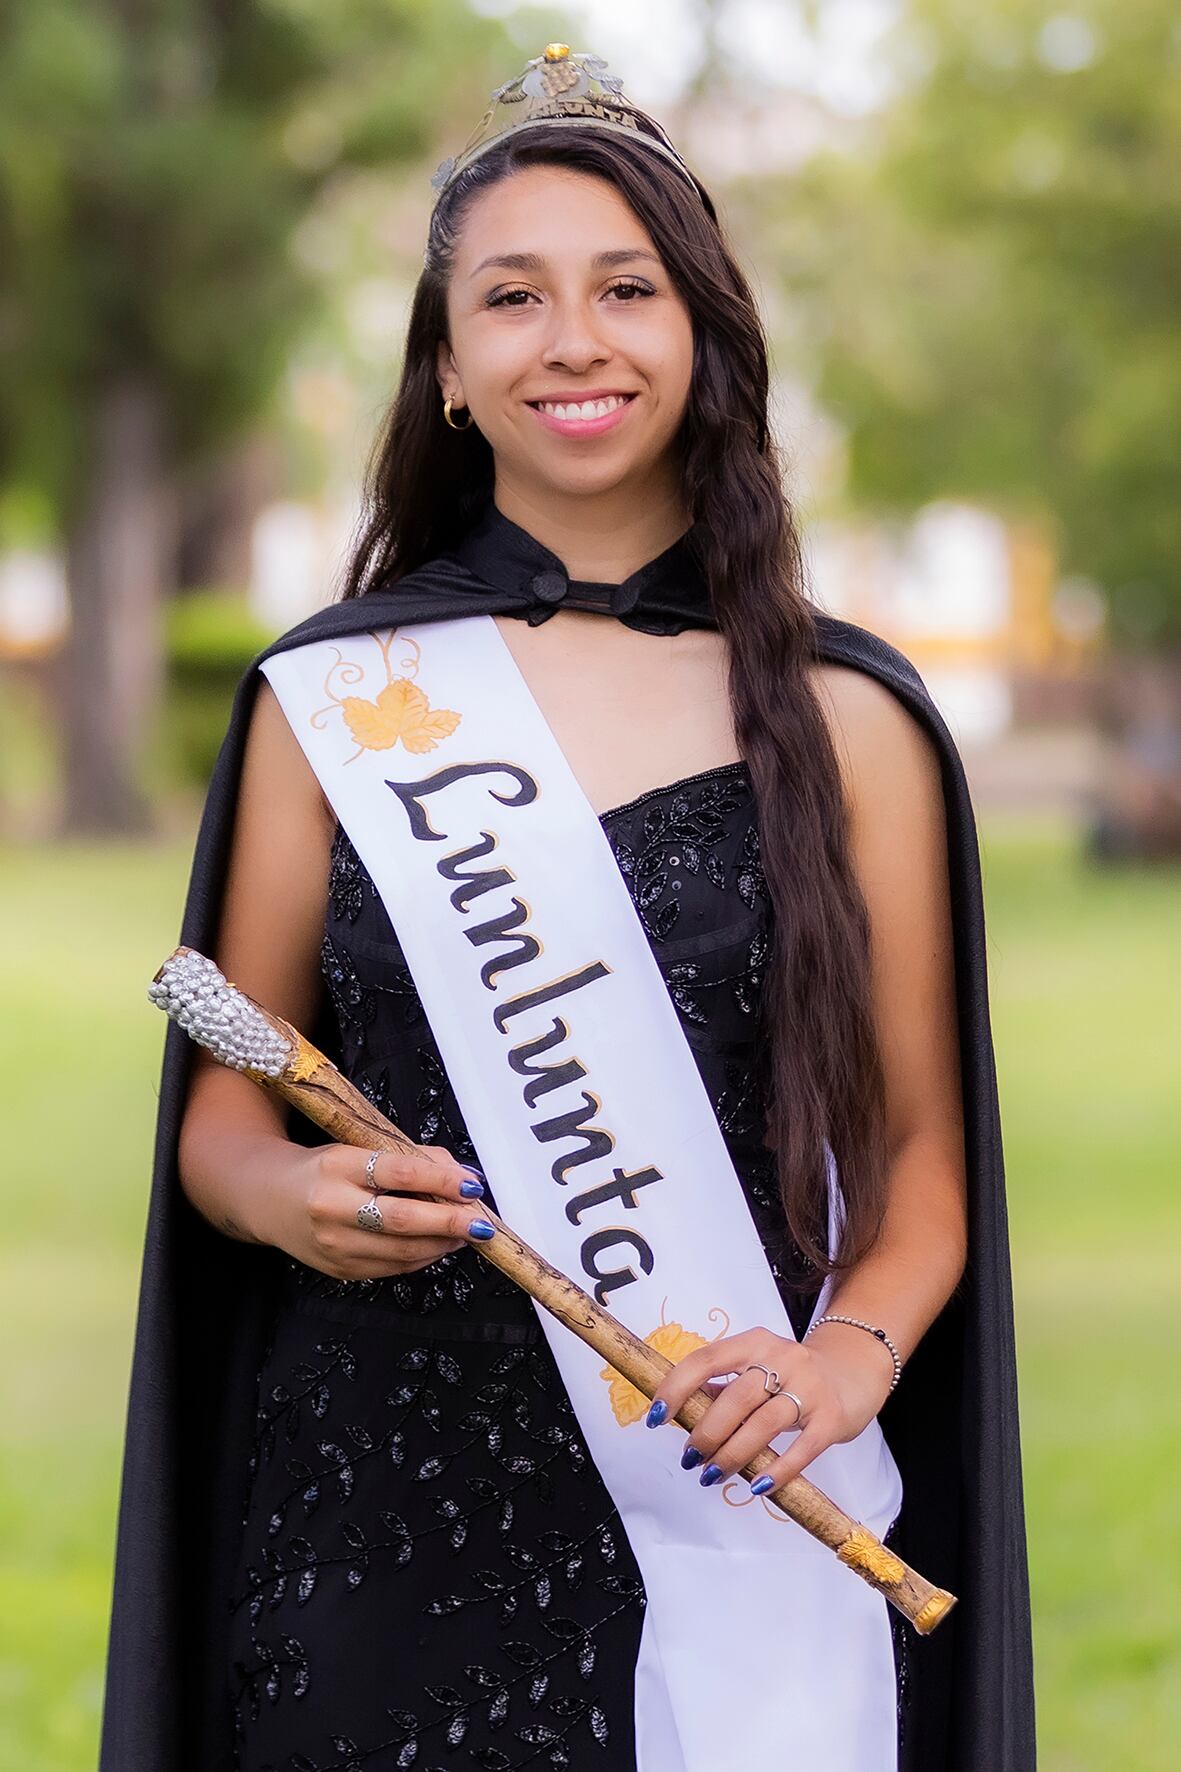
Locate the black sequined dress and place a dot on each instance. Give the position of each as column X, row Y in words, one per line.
column 432, row 1572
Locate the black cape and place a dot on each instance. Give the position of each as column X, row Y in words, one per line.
column 952, row 1424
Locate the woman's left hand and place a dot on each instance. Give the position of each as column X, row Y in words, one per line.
column 840, row 1384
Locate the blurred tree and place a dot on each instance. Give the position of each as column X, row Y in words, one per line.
column 987, row 291
column 988, row 286
column 156, row 159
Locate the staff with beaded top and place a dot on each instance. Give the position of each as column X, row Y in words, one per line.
column 241, row 1034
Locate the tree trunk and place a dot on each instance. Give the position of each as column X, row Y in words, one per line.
column 120, row 560
column 219, row 503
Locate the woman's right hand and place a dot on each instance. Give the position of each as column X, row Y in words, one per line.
column 314, row 1218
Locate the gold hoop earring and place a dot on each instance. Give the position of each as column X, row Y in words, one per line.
column 449, row 420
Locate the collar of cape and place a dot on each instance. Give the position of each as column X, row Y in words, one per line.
column 498, row 568
column 664, row 596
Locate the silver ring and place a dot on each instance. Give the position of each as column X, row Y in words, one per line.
column 369, row 1216
column 799, row 1411
column 771, row 1382
column 370, row 1166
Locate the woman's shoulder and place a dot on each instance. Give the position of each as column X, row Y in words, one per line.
column 872, row 683
column 439, row 590
column 332, row 621
column 847, row 644
column 870, row 694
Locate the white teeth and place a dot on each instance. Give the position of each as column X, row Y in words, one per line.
column 585, row 410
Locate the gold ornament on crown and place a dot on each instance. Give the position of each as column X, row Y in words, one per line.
column 560, row 84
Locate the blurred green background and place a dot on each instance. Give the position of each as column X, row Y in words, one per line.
column 963, row 223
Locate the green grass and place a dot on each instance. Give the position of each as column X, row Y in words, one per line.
column 1086, row 989
column 82, row 929
column 1085, row 973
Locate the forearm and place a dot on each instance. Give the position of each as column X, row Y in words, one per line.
column 235, row 1172
column 833, row 1386
column 916, row 1264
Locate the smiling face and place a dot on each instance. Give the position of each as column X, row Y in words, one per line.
column 569, row 343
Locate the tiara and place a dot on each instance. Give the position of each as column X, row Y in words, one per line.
column 559, row 85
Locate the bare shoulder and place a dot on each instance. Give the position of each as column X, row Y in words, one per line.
column 888, row 762
column 275, row 764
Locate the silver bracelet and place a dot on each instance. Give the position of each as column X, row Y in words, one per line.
column 873, row 1330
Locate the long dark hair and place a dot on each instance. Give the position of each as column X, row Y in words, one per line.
column 427, row 483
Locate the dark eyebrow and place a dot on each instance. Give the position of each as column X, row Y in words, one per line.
column 533, row 261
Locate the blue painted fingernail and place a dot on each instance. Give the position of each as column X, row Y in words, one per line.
column 481, row 1229
column 657, row 1414
column 691, row 1458
column 471, row 1190
column 761, row 1485
column 709, row 1475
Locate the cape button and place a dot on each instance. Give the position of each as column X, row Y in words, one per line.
column 550, row 587
column 624, row 598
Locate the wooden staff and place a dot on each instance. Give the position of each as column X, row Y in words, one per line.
column 242, row 1034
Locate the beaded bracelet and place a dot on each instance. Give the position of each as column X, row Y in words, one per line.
column 879, row 1333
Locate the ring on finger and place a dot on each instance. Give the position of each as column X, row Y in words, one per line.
column 369, row 1216
column 799, row 1411
column 371, row 1165
column 771, row 1382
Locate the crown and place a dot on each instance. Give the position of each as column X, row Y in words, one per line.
column 560, row 85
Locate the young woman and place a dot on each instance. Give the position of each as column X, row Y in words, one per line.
column 363, row 1523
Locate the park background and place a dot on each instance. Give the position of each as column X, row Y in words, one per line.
column 963, row 222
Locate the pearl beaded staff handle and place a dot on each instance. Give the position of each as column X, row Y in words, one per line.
column 241, row 1034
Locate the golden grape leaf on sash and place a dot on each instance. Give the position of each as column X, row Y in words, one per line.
column 400, row 712
column 630, row 1404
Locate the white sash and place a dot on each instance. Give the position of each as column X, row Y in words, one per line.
column 593, row 1126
